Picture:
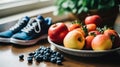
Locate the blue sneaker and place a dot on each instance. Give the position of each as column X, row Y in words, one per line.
column 6, row 35
column 35, row 30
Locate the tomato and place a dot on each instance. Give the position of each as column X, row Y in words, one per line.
column 95, row 32
column 81, row 30
column 94, row 19
column 91, row 27
column 57, row 32
column 74, row 26
column 88, row 40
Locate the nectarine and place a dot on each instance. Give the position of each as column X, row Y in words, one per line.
column 101, row 42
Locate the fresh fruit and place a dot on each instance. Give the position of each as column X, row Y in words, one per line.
column 91, row 27
column 74, row 26
column 95, row 32
column 101, row 42
column 88, row 40
column 45, row 54
column 21, row 57
column 83, row 30
column 94, row 19
column 74, row 39
column 57, row 32
column 114, row 37
column 80, row 30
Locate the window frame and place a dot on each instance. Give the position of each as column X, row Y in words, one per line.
column 23, row 6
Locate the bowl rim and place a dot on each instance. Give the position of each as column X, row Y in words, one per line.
column 82, row 51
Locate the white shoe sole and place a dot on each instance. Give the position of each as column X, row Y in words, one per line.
column 5, row 40
column 27, row 42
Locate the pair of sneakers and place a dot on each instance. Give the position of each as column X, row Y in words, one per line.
column 27, row 31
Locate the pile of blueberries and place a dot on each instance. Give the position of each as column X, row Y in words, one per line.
column 44, row 54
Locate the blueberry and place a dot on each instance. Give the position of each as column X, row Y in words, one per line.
column 31, row 54
column 29, row 59
column 59, row 62
column 39, row 58
column 58, row 54
column 44, row 54
column 52, row 56
column 37, row 52
column 43, row 48
column 62, row 57
column 47, row 50
column 41, row 52
column 21, row 56
column 35, row 55
column 53, row 60
column 47, row 54
column 53, row 52
column 58, row 58
column 45, row 58
column 38, row 49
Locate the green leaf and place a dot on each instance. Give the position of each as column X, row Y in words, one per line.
column 74, row 10
column 65, row 5
column 80, row 10
column 79, row 3
column 78, row 6
column 85, row 9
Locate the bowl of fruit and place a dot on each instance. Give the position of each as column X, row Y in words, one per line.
column 85, row 40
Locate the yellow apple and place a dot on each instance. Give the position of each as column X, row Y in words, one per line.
column 101, row 42
column 74, row 39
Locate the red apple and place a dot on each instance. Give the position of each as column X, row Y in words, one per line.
column 74, row 39
column 101, row 42
column 94, row 19
column 57, row 32
column 88, row 40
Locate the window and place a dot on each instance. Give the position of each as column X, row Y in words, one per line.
column 12, row 10
column 10, row 7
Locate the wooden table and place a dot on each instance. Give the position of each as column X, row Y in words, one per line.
column 9, row 57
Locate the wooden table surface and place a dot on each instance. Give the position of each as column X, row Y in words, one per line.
column 9, row 57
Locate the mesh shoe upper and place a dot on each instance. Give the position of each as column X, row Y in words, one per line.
column 14, row 29
column 34, row 29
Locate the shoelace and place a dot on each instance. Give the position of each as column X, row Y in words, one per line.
column 20, row 21
column 32, row 25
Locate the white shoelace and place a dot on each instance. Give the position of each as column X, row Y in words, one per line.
column 17, row 24
column 32, row 25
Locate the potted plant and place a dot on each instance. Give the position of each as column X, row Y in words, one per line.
column 107, row 9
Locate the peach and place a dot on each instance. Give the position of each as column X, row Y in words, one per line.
column 101, row 42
